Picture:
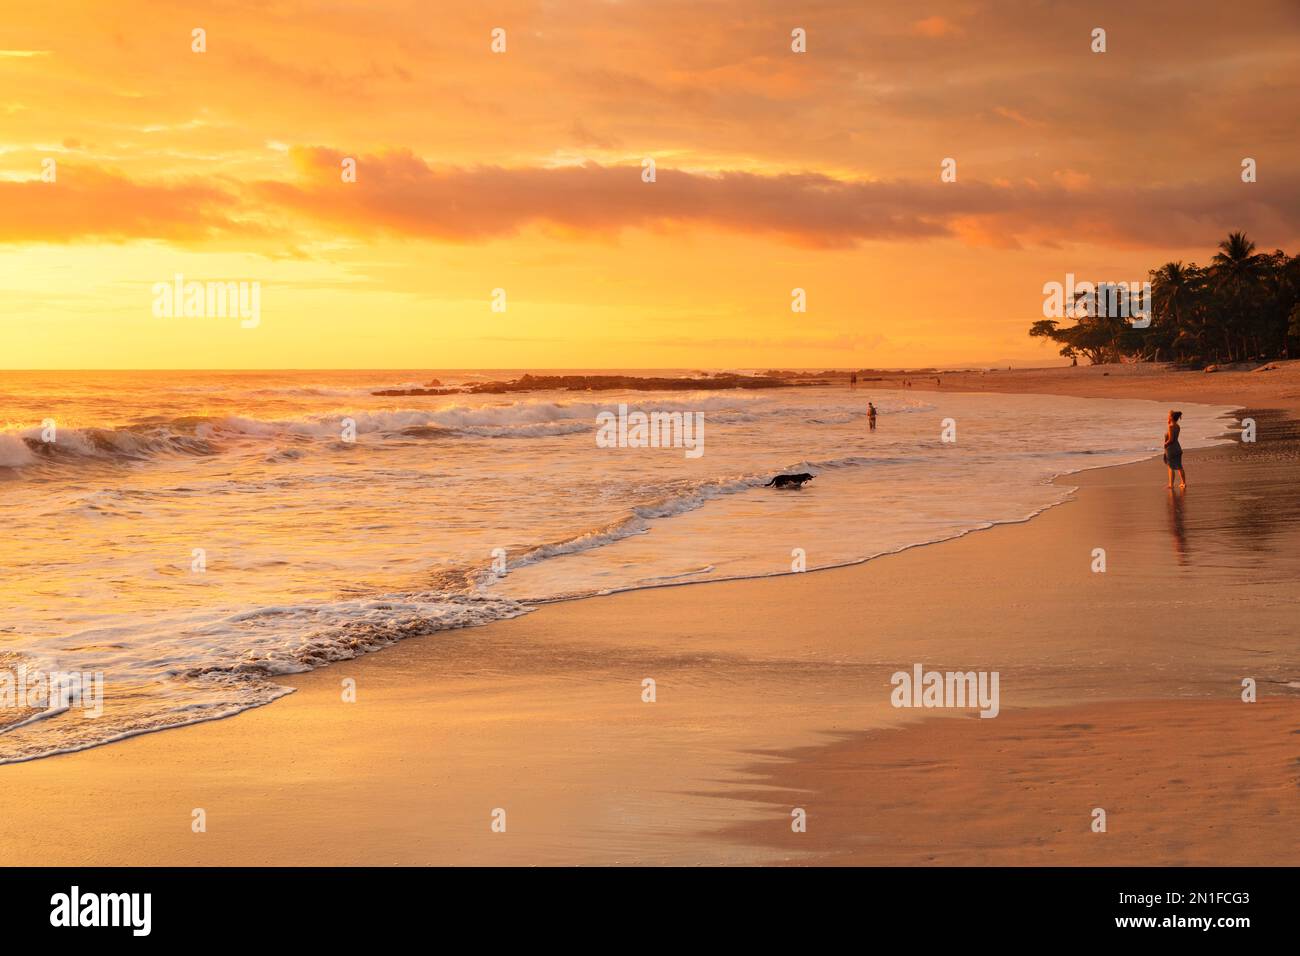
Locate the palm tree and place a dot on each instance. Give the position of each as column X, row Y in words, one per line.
column 1236, row 256
column 1175, row 291
column 1279, row 283
column 1172, row 286
column 1236, row 273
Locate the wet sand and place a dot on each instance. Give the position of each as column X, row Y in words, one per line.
column 1120, row 690
column 1181, row 782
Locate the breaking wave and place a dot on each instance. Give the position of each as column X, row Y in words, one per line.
column 214, row 435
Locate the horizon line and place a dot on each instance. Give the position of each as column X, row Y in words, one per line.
column 975, row 366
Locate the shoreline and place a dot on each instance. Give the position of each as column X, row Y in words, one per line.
column 1222, row 438
column 595, row 777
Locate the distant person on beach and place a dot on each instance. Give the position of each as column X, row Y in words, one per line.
column 871, row 416
column 853, row 380
column 1174, row 451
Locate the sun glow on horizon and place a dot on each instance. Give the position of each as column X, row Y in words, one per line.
column 130, row 158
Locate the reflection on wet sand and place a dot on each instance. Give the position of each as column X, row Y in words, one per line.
column 1250, row 515
column 1178, row 525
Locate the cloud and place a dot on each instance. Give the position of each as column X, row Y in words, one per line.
column 1071, row 179
column 89, row 203
column 398, row 193
column 934, row 27
column 1017, row 117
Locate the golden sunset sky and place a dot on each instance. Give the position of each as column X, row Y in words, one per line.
column 522, row 171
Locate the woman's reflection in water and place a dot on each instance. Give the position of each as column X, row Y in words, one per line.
column 1178, row 525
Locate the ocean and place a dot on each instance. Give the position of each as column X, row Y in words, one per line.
column 190, row 537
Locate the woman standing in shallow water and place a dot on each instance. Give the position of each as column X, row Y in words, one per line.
column 1174, row 451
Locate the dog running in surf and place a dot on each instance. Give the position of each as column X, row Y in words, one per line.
column 790, row 481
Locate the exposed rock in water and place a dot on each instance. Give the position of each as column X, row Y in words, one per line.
column 420, row 391
column 608, row 383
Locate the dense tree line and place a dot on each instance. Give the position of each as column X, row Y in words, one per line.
column 1243, row 306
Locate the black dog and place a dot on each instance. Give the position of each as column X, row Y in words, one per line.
column 785, row 481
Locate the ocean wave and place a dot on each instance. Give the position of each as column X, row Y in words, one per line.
column 206, row 668
column 70, row 445
column 172, row 658
column 212, row 435
column 307, row 636
column 15, row 452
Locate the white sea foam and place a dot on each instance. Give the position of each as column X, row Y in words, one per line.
column 315, row 550
column 14, row 452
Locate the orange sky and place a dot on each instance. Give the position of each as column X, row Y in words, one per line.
column 522, row 171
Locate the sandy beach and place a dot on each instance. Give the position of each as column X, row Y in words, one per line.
column 1119, row 690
